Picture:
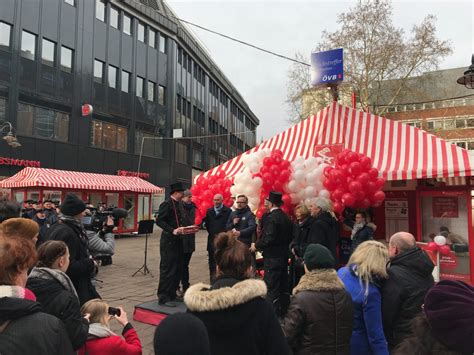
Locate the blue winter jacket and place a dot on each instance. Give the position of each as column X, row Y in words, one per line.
column 367, row 330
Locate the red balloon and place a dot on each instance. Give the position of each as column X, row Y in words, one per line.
column 355, row 168
column 365, row 163
column 432, row 246
column 260, row 213
column 365, row 203
column 329, row 184
column 348, row 200
column 267, row 178
column 363, row 178
column 444, row 250
column 267, row 161
column 336, row 195
column 286, row 199
column 284, row 175
column 341, row 159
column 352, row 157
column 338, row 207
column 355, row 186
column 277, row 186
column 379, row 196
column 264, row 169
column 285, row 164
column 379, row 182
column 358, row 195
column 327, row 170
column 373, row 173
column 277, row 153
column 371, row 188
column 277, row 160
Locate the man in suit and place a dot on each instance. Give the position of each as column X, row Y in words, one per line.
column 170, row 219
column 274, row 243
column 216, row 220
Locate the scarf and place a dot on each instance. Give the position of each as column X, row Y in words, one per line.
column 54, row 274
column 13, row 291
column 218, row 209
column 98, row 330
column 74, row 222
column 357, row 227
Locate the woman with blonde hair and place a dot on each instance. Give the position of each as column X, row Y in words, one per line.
column 101, row 339
column 361, row 277
column 299, row 243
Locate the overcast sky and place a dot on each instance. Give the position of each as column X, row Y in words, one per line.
column 287, row 27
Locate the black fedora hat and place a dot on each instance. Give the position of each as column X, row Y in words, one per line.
column 177, row 186
column 275, row 198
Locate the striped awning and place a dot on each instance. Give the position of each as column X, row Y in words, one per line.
column 63, row 179
column 397, row 150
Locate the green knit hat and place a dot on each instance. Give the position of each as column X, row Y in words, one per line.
column 318, row 256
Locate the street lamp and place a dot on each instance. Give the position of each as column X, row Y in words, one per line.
column 10, row 138
column 468, row 78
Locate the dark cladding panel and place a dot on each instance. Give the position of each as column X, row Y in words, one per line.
column 7, row 10
column 127, row 52
column 66, row 157
column 127, row 162
column 91, row 160
column 50, row 18
column 141, row 59
column 100, row 40
column 29, row 15
column 162, row 69
column 68, row 25
column 110, row 163
column 45, row 151
column 114, row 48
column 152, row 65
column 27, row 74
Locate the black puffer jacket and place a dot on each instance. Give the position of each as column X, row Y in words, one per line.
column 409, row 278
column 56, row 300
column 81, row 265
column 24, row 329
column 237, row 317
column 325, row 231
column 319, row 320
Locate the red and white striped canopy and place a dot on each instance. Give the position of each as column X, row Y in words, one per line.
column 63, row 179
column 397, row 150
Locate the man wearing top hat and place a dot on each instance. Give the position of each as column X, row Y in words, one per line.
column 274, row 243
column 170, row 220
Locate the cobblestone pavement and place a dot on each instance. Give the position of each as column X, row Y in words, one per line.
column 119, row 288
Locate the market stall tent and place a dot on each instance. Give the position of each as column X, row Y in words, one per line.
column 131, row 193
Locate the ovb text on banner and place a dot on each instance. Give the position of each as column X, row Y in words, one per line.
column 327, row 67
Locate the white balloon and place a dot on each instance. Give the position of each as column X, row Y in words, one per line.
column 324, row 193
column 440, row 240
column 307, row 202
column 310, row 191
column 298, row 176
column 254, row 167
column 292, row 186
column 257, row 181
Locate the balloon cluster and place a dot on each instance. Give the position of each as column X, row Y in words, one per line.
column 439, row 245
column 205, row 189
column 306, row 181
column 275, row 173
column 353, row 182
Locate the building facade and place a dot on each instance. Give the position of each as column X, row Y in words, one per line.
column 143, row 73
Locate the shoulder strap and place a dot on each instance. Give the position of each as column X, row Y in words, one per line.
column 4, row 326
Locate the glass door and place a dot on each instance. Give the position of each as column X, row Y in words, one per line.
column 129, row 205
column 143, row 207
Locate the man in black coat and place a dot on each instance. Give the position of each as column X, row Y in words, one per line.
column 70, row 230
column 28, row 209
column 409, row 278
column 242, row 222
column 189, row 240
column 325, row 228
column 274, row 242
column 216, row 221
column 171, row 220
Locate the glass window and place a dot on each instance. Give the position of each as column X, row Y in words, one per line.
column 122, row 139
column 66, row 59
column 24, row 120
column 61, row 126
column 461, row 144
column 96, row 134
column 98, row 71
column 197, row 158
column 108, row 135
column 113, row 76
column 181, row 155
column 460, row 123
column 141, row 32
column 44, row 123
column 151, row 38
column 3, row 108
column 127, row 24
column 5, row 35
column 114, row 17
column 470, row 122
column 28, row 45
column 48, row 52
column 161, row 95
column 139, row 90
column 162, row 43
column 70, row 2
column 449, row 124
column 470, row 145
column 100, row 10
column 151, row 91
column 125, row 81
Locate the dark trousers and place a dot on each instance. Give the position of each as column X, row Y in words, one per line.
column 185, row 276
column 171, row 266
column 212, row 265
column 276, row 278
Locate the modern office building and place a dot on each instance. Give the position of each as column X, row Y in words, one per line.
column 142, row 72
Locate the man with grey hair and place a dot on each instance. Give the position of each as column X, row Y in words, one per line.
column 409, row 278
column 216, row 220
column 325, row 228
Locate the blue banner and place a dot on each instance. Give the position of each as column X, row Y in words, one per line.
column 327, row 67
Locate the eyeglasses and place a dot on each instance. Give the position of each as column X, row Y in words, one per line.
column 241, row 202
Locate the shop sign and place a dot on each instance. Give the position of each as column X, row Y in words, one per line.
column 20, row 162
column 133, row 173
column 445, row 207
column 327, row 67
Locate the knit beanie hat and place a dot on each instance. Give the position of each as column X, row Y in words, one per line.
column 72, row 205
column 449, row 308
column 318, row 256
column 168, row 338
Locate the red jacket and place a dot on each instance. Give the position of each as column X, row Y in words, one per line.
column 114, row 345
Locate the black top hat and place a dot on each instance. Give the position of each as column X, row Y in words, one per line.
column 177, row 186
column 30, row 201
column 275, row 198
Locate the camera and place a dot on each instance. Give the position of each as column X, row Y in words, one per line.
column 96, row 220
column 114, row 311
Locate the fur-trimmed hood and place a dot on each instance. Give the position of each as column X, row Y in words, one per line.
column 319, row 280
column 201, row 298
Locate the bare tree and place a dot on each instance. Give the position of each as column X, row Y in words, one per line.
column 375, row 51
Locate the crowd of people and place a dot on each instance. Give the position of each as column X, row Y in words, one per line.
column 383, row 301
